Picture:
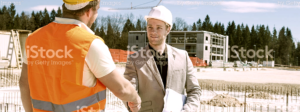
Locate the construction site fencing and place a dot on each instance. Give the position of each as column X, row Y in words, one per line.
column 247, row 98
column 241, row 98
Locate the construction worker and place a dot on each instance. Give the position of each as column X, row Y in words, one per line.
column 67, row 68
column 160, row 66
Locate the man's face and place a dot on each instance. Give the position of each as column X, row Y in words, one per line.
column 157, row 32
column 94, row 15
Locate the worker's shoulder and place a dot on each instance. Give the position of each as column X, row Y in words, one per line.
column 78, row 31
column 177, row 51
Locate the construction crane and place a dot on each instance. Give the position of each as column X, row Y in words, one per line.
column 136, row 7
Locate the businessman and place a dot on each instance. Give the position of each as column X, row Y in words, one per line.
column 160, row 66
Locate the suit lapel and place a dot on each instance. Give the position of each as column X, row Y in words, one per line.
column 171, row 59
column 152, row 66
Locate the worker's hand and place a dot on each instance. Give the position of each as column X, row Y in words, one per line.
column 136, row 105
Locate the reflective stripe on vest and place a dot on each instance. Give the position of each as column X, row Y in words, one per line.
column 73, row 106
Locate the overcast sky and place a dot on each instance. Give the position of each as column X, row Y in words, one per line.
column 276, row 13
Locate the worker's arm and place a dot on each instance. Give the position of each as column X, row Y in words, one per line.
column 120, row 87
column 24, row 89
column 101, row 64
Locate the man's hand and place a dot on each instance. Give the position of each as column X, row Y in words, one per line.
column 136, row 105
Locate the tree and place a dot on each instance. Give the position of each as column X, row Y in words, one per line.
column 199, row 25
column 46, row 17
column 282, row 47
column 260, row 37
column 52, row 15
column 174, row 28
column 253, row 37
column 207, row 25
column 222, row 29
column 217, row 28
column 180, row 24
column 274, row 44
column 194, row 27
column 10, row 17
column 124, row 37
column 138, row 25
column 110, row 36
column 32, row 22
column 247, row 38
column 17, row 22
column 59, row 12
column 24, row 21
column 239, row 36
column 102, row 33
column 4, row 20
column 37, row 18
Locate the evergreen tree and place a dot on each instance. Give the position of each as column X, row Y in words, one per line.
column 4, row 18
column 253, row 36
column 138, row 25
column 124, row 37
column 46, row 17
column 59, row 12
column 110, row 36
column 247, row 38
column 32, row 22
column 102, row 33
column 207, row 25
column 174, row 28
column 222, row 29
column 261, row 35
column 274, row 44
column 24, row 21
column 194, row 27
column 239, row 36
column 10, row 17
column 199, row 25
column 17, row 22
column 217, row 28
column 38, row 19
column 282, row 51
column 52, row 15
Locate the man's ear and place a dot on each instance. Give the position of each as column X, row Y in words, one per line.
column 89, row 12
column 168, row 30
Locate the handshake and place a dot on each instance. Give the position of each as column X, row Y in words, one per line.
column 136, row 105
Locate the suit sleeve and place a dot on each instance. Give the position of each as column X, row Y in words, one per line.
column 193, row 89
column 131, row 75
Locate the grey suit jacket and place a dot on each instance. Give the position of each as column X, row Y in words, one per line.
column 181, row 78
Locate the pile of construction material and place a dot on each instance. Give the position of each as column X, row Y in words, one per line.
column 223, row 100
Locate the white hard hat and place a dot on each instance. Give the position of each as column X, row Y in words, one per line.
column 161, row 13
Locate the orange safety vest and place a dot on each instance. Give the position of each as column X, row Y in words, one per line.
column 56, row 56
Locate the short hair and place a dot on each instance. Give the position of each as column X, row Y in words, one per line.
column 77, row 13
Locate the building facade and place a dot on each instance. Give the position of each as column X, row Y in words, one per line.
column 207, row 46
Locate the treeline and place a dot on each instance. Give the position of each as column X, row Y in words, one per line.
column 114, row 30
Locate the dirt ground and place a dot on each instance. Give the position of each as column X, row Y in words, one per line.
column 266, row 75
column 223, row 100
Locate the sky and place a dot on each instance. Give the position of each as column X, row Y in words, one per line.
column 272, row 13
